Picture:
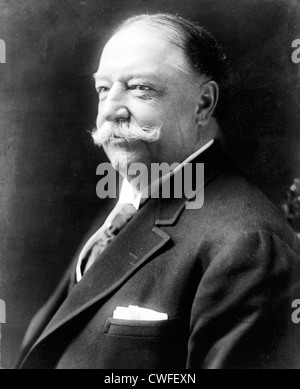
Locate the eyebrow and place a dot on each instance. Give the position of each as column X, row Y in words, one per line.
column 97, row 76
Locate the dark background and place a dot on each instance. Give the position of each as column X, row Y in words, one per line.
column 48, row 105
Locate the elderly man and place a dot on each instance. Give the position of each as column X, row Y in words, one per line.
column 159, row 285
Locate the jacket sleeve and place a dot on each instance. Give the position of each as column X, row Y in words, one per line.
column 241, row 314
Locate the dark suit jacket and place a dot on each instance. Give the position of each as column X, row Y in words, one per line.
column 225, row 274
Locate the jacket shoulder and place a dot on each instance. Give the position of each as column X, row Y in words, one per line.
column 233, row 208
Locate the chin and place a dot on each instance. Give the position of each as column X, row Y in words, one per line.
column 122, row 160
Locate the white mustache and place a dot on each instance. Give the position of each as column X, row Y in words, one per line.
column 130, row 132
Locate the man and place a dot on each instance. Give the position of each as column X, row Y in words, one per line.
column 172, row 287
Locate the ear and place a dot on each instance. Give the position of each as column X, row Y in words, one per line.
column 207, row 102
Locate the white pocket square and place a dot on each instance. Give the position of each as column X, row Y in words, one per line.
column 137, row 313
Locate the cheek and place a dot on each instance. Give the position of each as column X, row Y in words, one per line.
column 99, row 119
column 179, row 123
column 148, row 112
column 184, row 114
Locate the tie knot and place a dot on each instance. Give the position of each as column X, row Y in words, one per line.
column 124, row 212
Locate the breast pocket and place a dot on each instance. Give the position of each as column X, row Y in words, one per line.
column 145, row 344
column 141, row 328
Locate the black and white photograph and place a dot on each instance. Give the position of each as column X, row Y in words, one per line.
column 149, row 187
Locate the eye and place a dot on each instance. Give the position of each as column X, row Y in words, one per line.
column 141, row 88
column 102, row 90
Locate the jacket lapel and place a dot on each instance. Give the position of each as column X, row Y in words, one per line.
column 131, row 249
column 117, row 263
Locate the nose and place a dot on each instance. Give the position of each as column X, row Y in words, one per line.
column 114, row 107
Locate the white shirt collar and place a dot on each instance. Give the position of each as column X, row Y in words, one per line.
column 127, row 194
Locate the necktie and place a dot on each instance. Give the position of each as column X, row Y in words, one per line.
column 122, row 217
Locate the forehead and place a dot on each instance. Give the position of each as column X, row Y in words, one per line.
column 140, row 50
